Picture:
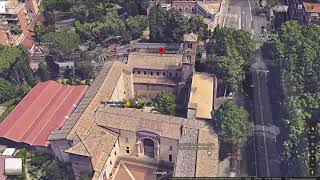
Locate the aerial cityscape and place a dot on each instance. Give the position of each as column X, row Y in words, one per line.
column 159, row 89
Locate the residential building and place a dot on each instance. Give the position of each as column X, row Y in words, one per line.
column 13, row 22
column 210, row 9
column 312, row 12
column 81, row 128
column 304, row 11
column 17, row 21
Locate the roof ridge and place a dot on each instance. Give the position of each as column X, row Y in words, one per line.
column 44, row 90
column 61, row 103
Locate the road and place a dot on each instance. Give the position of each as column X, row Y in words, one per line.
column 264, row 140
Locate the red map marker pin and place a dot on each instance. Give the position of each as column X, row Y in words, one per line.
column 161, row 51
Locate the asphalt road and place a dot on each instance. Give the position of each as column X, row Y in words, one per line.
column 264, row 141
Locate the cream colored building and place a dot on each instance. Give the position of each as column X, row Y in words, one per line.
column 96, row 137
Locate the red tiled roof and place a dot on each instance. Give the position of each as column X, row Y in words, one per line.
column 312, row 7
column 45, row 108
column 28, row 40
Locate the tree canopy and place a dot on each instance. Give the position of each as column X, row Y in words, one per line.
column 232, row 123
column 165, row 103
column 228, row 52
column 296, row 50
column 64, row 42
column 170, row 26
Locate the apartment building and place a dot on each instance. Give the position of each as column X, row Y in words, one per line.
column 16, row 19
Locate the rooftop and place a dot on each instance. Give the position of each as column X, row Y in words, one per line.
column 97, row 144
column 185, row 165
column 133, row 120
column 190, row 37
column 202, row 95
column 153, row 80
column 11, row 7
column 45, row 108
column 155, row 61
column 100, row 91
column 210, row 7
column 207, row 165
column 312, row 7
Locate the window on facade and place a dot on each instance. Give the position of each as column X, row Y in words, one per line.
column 176, row 74
column 170, row 148
column 170, row 157
column 115, row 153
column 189, row 58
column 110, row 162
column 158, row 73
column 170, row 74
column 190, row 45
column 138, row 72
column 127, row 149
column 133, row 72
column 164, row 74
column 151, row 73
column 145, row 72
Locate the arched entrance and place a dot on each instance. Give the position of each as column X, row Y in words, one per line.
column 148, row 146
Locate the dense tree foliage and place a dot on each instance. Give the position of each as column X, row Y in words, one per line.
column 7, row 90
column 136, row 25
column 63, row 42
column 228, row 51
column 170, row 26
column 232, row 123
column 164, row 103
column 296, row 49
column 83, row 67
column 14, row 65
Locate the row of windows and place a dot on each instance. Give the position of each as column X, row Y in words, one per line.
column 157, row 73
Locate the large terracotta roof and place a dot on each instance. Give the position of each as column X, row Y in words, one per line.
column 99, row 92
column 45, row 108
column 155, row 61
column 97, row 144
column 133, row 120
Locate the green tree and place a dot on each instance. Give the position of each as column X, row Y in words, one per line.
column 63, row 42
column 136, row 25
column 83, row 67
column 158, row 19
column 177, row 26
column 232, row 123
column 228, row 52
column 43, row 72
column 101, row 56
column 165, row 103
column 7, row 90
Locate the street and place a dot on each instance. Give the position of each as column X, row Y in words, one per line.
column 263, row 143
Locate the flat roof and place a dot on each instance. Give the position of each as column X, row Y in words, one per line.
column 45, row 108
column 155, row 61
column 202, row 95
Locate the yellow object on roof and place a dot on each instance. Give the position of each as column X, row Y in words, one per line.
column 202, row 95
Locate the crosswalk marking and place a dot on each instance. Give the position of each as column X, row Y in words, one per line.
column 232, row 15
